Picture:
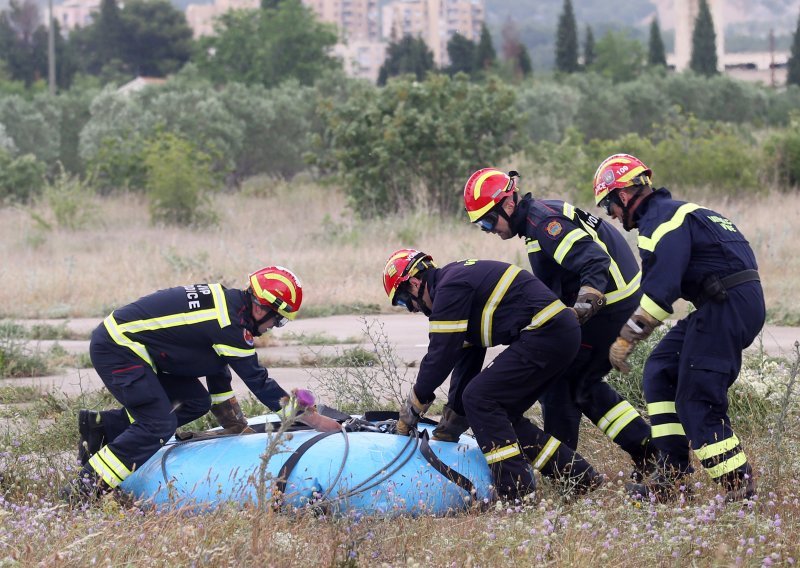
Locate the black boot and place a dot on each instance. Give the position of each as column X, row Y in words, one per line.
column 85, row 489
column 739, row 485
column 92, row 434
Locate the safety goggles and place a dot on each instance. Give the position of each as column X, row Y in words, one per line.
column 280, row 320
column 403, row 297
column 488, row 222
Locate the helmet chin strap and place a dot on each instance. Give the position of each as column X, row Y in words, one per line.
column 423, row 307
column 627, row 210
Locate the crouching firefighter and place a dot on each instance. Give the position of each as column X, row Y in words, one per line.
column 472, row 305
column 150, row 355
column 690, row 252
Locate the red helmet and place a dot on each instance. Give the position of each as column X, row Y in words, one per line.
column 277, row 288
column 402, row 265
column 486, row 188
column 617, row 172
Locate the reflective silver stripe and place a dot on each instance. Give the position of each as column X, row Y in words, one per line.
column 441, row 326
column 672, row 429
column 612, row 414
column 221, row 397
column 172, row 320
column 533, row 247
column 624, row 292
column 120, row 339
column 569, row 211
column 230, row 351
column 503, row 453
column 494, row 300
column 619, row 424
column 664, row 407
column 545, row 315
column 547, row 452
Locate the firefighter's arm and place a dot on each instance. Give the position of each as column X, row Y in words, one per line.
column 638, row 328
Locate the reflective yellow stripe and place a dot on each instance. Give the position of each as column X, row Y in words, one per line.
column 625, row 291
column 230, row 351
column 130, row 416
column 620, row 423
column 545, row 315
column 612, row 414
column 566, row 243
column 494, row 300
column 653, row 309
column 221, row 304
column 120, row 339
column 503, row 453
column 547, row 452
column 718, row 448
column 221, row 397
column 666, row 407
column 172, row 320
column 727, row 466
column 569, row 211
column 455, row 326
column 109, row 467
column 662, row 430
column 533, row 247
column 650, row 243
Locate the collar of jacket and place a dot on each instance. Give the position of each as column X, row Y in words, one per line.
column 644, row 204
column 520, row 215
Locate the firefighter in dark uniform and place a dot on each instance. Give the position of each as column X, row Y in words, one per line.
column 690, row 252
column 150, row 353
column 588, row 265
column 472, row 305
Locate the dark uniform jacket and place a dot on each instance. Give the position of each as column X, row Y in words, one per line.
column 569, row 248
column 195, row 331
column 682, row 244
column 478, row 303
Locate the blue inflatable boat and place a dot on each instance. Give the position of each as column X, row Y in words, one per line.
column 370, row 471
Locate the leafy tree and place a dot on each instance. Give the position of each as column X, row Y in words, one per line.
column 589, row 53
column 567, row 40
column 409, row 55
column 158, row 40
column 793, row 71
column 461, row 52
column 17, row 29
column 656, row 55
column 515, row 52
column 485, row 55
column 268, row 46
column 524, row 64
column 704, row 43
column 412, row 143
column 619, row 57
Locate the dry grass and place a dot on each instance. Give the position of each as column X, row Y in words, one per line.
column 301, row 225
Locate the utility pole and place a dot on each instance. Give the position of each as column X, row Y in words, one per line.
column 51, row 51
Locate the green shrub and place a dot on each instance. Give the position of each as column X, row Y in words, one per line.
column 178, row 180
column 21, row 178
column 783, row 154
column 69, row 201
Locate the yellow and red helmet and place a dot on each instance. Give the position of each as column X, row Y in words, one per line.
column 402, row 265
column 618, row 172
column 486, row 188
column 277, row 288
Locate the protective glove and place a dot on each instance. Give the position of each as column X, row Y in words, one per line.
column 229, row 415
column 639, row 326
column 620, row 350
column 450, row 427
column 588, row 303
column 410, row 413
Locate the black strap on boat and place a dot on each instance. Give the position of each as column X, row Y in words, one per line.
column 459, row 479
column 288, row 466
column 382, row 415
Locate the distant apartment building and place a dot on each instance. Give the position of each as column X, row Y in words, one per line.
column 201, row 17
column 75, row 13
column 435, row 21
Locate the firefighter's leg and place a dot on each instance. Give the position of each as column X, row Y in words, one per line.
column 710, row 364
column 554, row 459
column 190, row 399
column 562, row 418
column 509, row 386
column 600, row 402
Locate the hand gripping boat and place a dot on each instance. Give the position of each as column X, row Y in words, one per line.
column 369, row 471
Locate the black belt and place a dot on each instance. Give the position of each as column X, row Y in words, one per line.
column 716, row 288
column 737, row 278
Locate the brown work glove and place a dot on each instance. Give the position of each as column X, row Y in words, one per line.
column 410, row 413
column 588, row 303
column 620, row 350
column 450, row 427
column 230, row 416
column 639, row 327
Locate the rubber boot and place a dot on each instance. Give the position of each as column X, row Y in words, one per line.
column 739, row 485
column 92, row 434
column 229, row 415
column 450, row 427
